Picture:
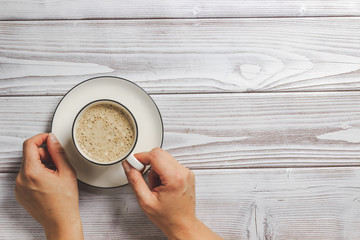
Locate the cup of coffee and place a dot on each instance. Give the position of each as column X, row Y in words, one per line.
column 105, row 132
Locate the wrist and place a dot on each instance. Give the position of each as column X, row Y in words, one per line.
column 184, row 230
column 66, row 230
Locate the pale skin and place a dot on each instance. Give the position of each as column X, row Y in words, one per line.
column 52, row 198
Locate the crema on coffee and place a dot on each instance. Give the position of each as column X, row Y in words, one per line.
column 104, row 132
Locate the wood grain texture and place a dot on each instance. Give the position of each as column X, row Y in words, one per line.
column 223, row 130
column 303, row 204
column 181, row 56
column 82, row 9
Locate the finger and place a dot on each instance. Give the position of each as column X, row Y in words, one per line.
column 44, row 155
column 138, row 184
column 161, row 161
column 46, row 159
column 31, row 149
column 58, row 155
column 154, row 180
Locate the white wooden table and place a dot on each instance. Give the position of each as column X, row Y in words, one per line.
column 260, row 98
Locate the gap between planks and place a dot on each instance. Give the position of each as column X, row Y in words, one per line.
column 172, row 18
column 355, row 166
column 202, row 93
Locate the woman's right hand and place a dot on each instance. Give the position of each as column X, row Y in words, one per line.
column 169, row 200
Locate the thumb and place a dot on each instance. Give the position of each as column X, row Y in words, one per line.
column 57, row 154
column 142, row 192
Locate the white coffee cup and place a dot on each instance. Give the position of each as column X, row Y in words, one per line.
column 129, row 156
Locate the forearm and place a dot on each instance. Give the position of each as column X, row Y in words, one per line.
column 71, row 230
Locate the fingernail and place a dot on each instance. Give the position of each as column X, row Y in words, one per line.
column 126, row 166
column 53, row 138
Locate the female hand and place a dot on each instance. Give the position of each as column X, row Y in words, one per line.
column 169, row 201
column 50, row 196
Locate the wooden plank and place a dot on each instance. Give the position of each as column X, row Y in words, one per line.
column 306, row 204
column 177, row 56
column 174, row 9
column 223, row 130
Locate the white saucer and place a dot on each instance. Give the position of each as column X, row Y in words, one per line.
column 140, row 104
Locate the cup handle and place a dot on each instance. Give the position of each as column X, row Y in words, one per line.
column 134, row 162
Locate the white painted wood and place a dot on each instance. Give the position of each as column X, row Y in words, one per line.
column 168, row 56
column 223, row 130
column 304, row 204
column 81, row 9
column 214, row 134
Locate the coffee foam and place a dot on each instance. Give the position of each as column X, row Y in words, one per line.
column 104, row 133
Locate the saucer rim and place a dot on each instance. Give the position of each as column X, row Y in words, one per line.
column 108, row 76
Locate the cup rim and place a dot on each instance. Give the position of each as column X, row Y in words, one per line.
column 114, row 162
